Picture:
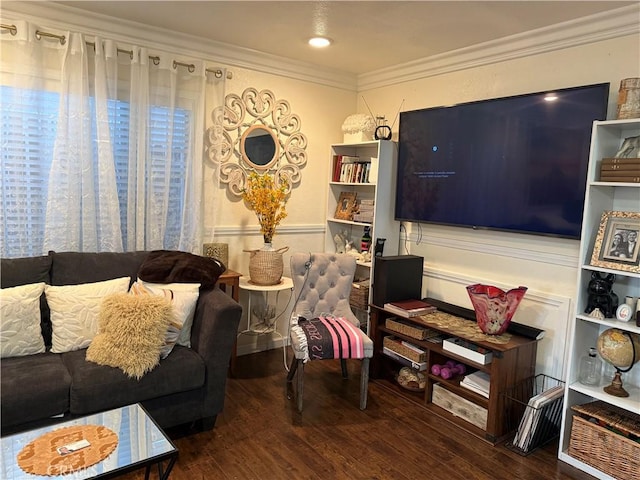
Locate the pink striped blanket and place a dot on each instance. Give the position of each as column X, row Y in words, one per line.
column 331, row 337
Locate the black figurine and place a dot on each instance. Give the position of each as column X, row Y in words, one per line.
column 601, row 295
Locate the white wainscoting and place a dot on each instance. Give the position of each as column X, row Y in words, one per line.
column 543, row 310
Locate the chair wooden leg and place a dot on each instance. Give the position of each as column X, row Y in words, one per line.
column 300, row 384
column 292, row 369
column 343, row 365
column 364, row 383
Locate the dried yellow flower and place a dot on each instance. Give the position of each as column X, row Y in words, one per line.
column 268, row 200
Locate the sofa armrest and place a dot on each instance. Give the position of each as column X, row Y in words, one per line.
column 214, row 331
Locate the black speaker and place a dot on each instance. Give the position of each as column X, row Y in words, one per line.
column 397, row 278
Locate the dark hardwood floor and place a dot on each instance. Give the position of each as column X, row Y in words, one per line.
column 261, row 436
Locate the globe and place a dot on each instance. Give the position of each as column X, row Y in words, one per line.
column 622, row 350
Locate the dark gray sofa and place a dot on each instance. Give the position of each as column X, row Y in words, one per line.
column 188, row 386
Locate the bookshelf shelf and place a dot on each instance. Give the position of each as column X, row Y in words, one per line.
column 381, row 156
column 606, row 139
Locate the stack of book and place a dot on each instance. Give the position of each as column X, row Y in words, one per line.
column 620, row 170
column 477, row 382
column 364, row 213
column 468, row 350
column 409, row 308
column 350, row 169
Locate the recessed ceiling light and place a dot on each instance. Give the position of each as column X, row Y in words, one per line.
column 319, row 42
column 551, row 97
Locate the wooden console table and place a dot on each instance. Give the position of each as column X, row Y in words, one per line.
column 514, row 360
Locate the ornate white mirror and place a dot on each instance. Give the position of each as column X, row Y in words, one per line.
column 256, row 132
column 259, row 147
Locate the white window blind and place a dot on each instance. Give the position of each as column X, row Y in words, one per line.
column 28, row 123
column 29, row 118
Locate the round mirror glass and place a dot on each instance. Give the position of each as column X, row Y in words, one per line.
column 259, row 146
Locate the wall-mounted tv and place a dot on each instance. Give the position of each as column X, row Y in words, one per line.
column 514, row 163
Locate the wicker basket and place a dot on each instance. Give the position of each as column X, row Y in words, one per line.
column 394, row 344
column 266, row 266
column 409, row 329
column 359, row 296
column 598, row 446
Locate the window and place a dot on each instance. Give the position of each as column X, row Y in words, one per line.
column 29, row 119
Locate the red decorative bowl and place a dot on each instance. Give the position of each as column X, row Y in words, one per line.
column 494, row 307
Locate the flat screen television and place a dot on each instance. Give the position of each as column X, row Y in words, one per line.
column 514, row 163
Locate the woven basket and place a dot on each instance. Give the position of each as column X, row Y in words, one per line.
column 393, row 344
column 408, row 329
column 266, row 266
column 359, row 296
column 608, row 451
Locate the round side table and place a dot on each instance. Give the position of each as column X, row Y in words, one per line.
column 268, row 325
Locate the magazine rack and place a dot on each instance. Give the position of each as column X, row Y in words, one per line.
column 538, row 422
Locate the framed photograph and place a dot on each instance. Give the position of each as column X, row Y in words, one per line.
column 616, row 245
column 345, row 206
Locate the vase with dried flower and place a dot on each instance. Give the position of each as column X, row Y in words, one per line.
column 267, row 196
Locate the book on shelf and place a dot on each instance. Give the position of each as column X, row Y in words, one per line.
column 409, row 308
column 475, row 389
column 467, row 350
column 620, row 161
column 629, row 172
column 621, row 179
column 437, row 338
column 350, row 169
column 420, row 366
column 533, row 417
column 620, row 167
column 478, row 382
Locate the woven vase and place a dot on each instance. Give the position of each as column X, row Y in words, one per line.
column 266, row 265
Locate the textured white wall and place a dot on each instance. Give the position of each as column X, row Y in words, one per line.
column 455, row 257
column 322, row 110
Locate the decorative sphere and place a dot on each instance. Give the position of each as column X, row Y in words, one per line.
column 617, row 348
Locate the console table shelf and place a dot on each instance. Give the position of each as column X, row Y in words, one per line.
column 513, row 361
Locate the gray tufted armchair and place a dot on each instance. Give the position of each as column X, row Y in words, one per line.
column 322, row 284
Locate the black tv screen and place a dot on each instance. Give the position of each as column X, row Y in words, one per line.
column 514, row 163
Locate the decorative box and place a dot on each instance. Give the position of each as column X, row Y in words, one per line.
column 460, row 407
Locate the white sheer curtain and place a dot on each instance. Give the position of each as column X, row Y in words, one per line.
column 215, row 93
column 167, row 103
column 30, row 86
column 82, row 205
column 122, row 164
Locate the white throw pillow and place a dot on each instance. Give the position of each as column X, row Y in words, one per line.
column 20, row 332
column 75, row 309
column 184, row 297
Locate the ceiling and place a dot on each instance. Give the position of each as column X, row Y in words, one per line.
column 367, row 35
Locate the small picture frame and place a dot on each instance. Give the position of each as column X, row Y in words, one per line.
column 345, row 206
column 616, row 244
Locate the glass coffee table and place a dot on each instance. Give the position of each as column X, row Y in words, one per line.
column 141, row 443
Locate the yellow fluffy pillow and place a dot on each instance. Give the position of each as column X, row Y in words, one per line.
column 131, row 332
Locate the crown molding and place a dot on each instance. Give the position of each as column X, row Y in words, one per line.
column 594, row 28
column 65, row 17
